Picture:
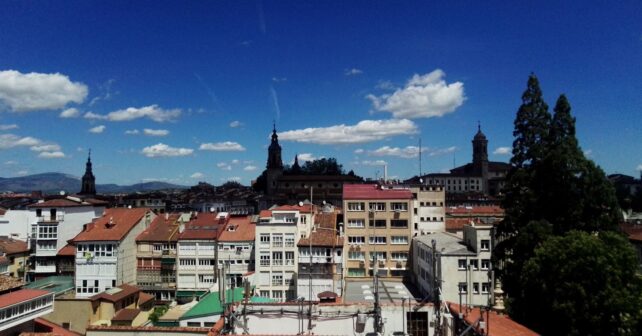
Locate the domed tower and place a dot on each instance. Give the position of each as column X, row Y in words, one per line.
column 480, row 156
column 274, row 163
column 88, row 187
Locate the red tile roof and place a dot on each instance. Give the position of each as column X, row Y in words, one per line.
column 4, row 261
column 203, row 226
column 142, row 329
column 305, row 208
column 126, row 290
column 61, row 203
column 498, row 325
column 20, row 296
column 42, row 326
column 126, row 315
column 11, row 246
column 373, row 192
column 164, row 228
column 67, row 251
column 457, row 224
column 326, row 234
column 114, row 225
column 486, row 210
column 144, row 298
column 265, row 214
column 244, row 230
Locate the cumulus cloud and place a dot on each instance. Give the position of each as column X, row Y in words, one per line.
column 8, row 127
column 407, row 152
column 46, row 148
column 38, row 91
column 97, row 129
column 279, row 79
column 385, row 85
column 51, row 155
column 373, row 163
column 424, row 96
column 132, row 132
column 303, row 157
column 231, row 179
column 152, row 112
column 352, row 72
column 224, row 166
column 161, row 150
column 22, row 173
column 235, row 161
column 11, row 140
column 441, row 151
column 227, row 146
column 70, row 113
column 639, row 168
column 502, row 151
column 359, row 151
column 197, row 175
column 235, row 124
column 363, row 131
column 153, row 132
column 11, row 162
column 250, row 168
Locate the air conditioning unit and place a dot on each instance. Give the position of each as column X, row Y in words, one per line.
column 362, row 262
column 382, row 263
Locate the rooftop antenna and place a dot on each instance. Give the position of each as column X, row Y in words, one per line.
column 419, row 157
column 454, row 160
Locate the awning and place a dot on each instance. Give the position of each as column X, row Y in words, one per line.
column 168, row 261
column 185, row 294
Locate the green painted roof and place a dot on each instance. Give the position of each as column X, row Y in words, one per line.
column 57, row 284
column 211, row 305
column 190, row 293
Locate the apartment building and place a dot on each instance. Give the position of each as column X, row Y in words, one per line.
column 463, row 266
column 428, row 206
column 57, row 221
column 320, row 262
column 16, row 253
column 377, row 229
column 236, row 249
column 106, row 250
column 196, row 266
column 156, row 256
column 277, row 235
column 19, row 309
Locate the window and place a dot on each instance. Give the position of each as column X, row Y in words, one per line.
column 206, row 278
column 485, row 245
column 378, row 240
column 265, row 258
column 378, row 206
column 47, row 232
column 289, row 258
column 277, row 279
column 399, row 256
column 399, row 240
column 277, row 240
column 356, row 206
column 187, row 262
column 399, row 223
column 353, row 255
column 485, row 287
column 461, row 264
column 277, row 295
column 265, row 239
column 356, row 223
column 264, row 293
column 277, row 258
column 379, row 223
column 462, row 288
column 398, row 206
column 356, row 272
column 289, row 240
column 476, row 288
column 485, row 264
column 206, row 262
column 158, row 247
column 356, row 240
column 381, row 256
column 474, row 264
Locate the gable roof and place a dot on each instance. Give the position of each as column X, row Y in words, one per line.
column 305, row 208
column 66, row 202
column 67, row 251
column 243, row 230
column 10, row 246
column 326, row 235
column 163, row 228
column 203, row 226
column 22, row 295
column 499, row 325
column 373, row 192
column 114, row 295
column 114, row 225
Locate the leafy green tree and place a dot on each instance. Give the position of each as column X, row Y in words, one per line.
column 324, row 166
column 583, row 284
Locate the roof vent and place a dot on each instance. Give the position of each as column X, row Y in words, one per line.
column 111, row 223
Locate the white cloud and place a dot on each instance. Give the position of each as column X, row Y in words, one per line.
column 279, row 79
column 424, row 96
column 22, row 173
column 11, row 162
column 197, row 175
column 152, row 112
column 235, row 124
column 364, row 131
column 152, row 132
column 161, row 149
column 639, row 168
column 12, row 140
column 235, row 161
column 373, row 163
column 46, row 148
column 304, row 157
column 37, row 91
column 51, row 155
column 250, row 168
column 588, row 153
column 441, row 151
column 502, row 151
column 231, row 179
column 224, row 166
column 352, row 72
column 407, row 152
column 70, row 113
column 97, row 129
column 385, row 85
column 132, row 132
column 227, row 146
column 8, row 127
column 359, row 151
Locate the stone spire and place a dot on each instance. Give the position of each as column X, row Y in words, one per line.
column 274, row 152
column 88, row 180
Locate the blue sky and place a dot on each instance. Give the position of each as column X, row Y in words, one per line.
column 187, row 91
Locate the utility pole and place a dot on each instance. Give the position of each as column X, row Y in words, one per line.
column 310, row 260
column 435, row 289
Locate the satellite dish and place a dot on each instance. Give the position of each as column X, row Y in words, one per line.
column 300, row 204
column 212, row 209
column 323, row 202
column 421, row 180
column 62, row 193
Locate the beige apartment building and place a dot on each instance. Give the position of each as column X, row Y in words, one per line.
column 378, row 230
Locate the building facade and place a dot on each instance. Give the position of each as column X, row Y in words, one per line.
column 377, row 229
column 236, row 249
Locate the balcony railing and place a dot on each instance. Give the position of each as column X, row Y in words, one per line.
column 51, row 219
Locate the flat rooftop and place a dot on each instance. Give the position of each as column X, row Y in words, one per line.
column 390, row 291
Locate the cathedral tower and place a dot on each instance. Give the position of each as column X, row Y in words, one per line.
column 88, row 180
column 274, row 163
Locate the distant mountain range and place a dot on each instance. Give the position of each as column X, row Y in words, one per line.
column 55, row 182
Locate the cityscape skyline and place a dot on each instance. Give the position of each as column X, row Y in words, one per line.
column 194, row 89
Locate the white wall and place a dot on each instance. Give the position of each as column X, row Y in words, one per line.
column 17, row 222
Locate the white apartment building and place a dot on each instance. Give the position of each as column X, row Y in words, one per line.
column 429, row 211
column 463, row 266
column 277, row 235
column 106, row 250
column 196, row 265
column 17, row 223
column 236, row 249
column 56, row 222
column 18, row 309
